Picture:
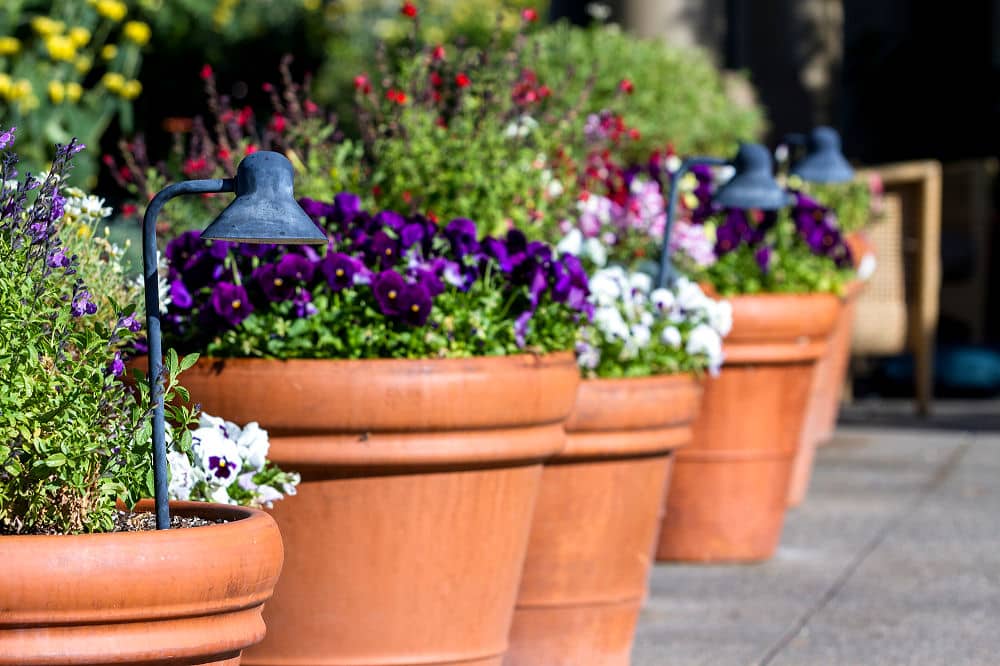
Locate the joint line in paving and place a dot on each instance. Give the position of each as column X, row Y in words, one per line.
column 943, row 471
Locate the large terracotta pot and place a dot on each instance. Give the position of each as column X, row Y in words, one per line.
column 174, row 597
column 596, row 521
column 828, row 383
column 729, row 491
column 405, row 542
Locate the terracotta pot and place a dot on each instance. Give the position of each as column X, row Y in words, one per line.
column 179, row 597
column 406, row 539
column 828, row 383
column 728, row 495
column 596, row 520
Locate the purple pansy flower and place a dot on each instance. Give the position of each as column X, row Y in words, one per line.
column 762, row 255
column 384, row 249
column 221, row 467
column 347, row 206
column 180, row 297
column 230, row 303
column 340, row 270
column 316, row 209
column 388, row 288
column 463, row 236
column 415, row 303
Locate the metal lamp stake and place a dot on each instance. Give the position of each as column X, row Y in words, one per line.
column 264, row 211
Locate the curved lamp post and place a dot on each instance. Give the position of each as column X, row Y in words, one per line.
column 752, row 186
column 823, row 161
column 264, row 211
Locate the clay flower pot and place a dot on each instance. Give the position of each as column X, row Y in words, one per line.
column 828, row 383
column 175, row 597
column 729, row 490
column 405, row 542
column 596, row 521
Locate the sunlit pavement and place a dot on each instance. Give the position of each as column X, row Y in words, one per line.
column 894, row 558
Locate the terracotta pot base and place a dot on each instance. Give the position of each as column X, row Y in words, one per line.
column 182, row 597
column 595, row 522
column 729, row 492
column 405, row 542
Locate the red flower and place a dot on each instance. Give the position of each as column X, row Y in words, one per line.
column 223, row 154
column 529, row 15
column 206, row 72
column 267, row 87
column 634, row 134
column 376, row 191
column 397, row 96
column 626, row 86
column 409, row 10
column 438, row 53
column 441, row 122
column 432, row 217
column 544, row 92
column 246, row 113
column 195, row 166
column 251, row 149
column 108, row 160
column 462, row 80
column 407, row 197
column 436, row 80
column 278, row 123
column 361, row 84
column 128, row 210
column 310, row 106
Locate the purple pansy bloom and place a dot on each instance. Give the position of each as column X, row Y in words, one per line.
column 463, row 236
column 412, row 233
column 180, row 297
column 389, row 218
column 340, row 270
column 521, row 327
column 221, row 467
column 388, row 288
column 762, row 255
column 275, row 287
column 230, row 302
column 347, row 206
column 316, row 209
column 415, row 303
column 385, row 248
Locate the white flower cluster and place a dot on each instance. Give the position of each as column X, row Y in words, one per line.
column 84, row 208
column 228, row 465
column 627, row 311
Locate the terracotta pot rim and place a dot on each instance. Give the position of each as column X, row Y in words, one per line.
column 780, row 328
column 530, row 357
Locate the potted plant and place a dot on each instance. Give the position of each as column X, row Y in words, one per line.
column 850, row 206
column 782, row 271
column 88, row 579
column 416, row 375
column 641, row 358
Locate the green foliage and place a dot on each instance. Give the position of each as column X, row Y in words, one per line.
column 794, row 268
column 678, row 97
column 348, row 325
column 67, row 69
column 851, row 202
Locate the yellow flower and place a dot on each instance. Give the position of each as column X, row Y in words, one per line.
column 112, row 9
column 109, row 52
column 57, row 92
column 80, row 36
column 19, row 89
column 131, row 89
column 83, row 64
column 137, row 31
column 74, row 91
column 9, row 45
column 60, row 48
column 29, row 103
column 5, row 85
column 310, row 5
column 47, row 27
column 113, row 81
column 83, row 230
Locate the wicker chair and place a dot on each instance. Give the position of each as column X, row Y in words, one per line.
column 898, row 310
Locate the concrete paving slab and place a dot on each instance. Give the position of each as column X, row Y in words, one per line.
column 867, row 482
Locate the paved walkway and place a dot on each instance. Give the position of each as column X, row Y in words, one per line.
column 894, row 558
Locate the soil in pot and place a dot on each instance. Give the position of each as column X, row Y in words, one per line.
column 596, row 521
column 729, row 490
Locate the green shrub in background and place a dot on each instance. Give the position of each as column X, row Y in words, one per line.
column 67, row 69
column 672, row 96
column 851, row 202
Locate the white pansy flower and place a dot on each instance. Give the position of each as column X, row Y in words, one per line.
column 610, row 322
column 182, row 476
column 662, row 299
column 218, row 456
column 704, row 340
column 866, row 267
column 673, row 163
column 266, row 496
column 595, row 251
column 571, row 243
column 641, row 335
column 720, row 316
column 671, row 337
column 220, row 495
column 689, row 294
column 253, row 445
column 640, row 281
column 604, row 288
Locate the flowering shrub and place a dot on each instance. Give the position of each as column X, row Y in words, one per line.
column 69, row 72
column 673, row 96
column 388, row 286
column 73, row 438
column 639, row 331
column 227, row 464
column 854, row 203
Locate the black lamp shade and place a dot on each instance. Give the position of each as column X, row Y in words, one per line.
column 265, row 210
column 753, row 185
column 823, row 162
